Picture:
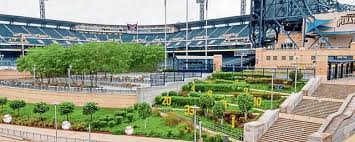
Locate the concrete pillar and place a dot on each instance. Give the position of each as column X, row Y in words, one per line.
column 217, row 62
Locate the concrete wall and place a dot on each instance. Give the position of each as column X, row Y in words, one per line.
column 253, row 131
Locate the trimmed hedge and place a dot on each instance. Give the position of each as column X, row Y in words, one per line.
column 221, row 87
column 178, row 100
column 266, row 81
column 237, row 75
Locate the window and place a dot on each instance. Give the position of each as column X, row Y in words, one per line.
column 268, row 58
column 283, row 57
column 274, row 58
column 290, row 58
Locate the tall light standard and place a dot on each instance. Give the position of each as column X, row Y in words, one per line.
column 69, row 69
column 55, row 122
column 195, row 108
column 272, row 87
column 34, row 72
column 89, row 132
column 296, row 67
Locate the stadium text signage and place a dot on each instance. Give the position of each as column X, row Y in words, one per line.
column 345, row 20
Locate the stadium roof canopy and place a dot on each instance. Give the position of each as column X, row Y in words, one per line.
column 31, row 20
column 22, row 19
column 212, row 22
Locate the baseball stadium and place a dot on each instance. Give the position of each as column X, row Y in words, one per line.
column 279, row 70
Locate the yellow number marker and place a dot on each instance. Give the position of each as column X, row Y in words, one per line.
column 189, row 110
column 167, row 100
column 233, row 121
column 210, row 93
column 257, row 101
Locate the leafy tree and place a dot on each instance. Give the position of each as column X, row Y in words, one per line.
column 292, row 75
column 206, row 102
column 40, row 108
column 66, row 108
column 245, row 103
column 3, row 101
column 218, row 110
column 144, row 111
column 89, row 109
column 16, row 105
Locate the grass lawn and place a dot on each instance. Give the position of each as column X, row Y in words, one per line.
column 155, row 125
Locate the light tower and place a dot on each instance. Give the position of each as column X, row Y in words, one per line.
column 243, row 4
column 42, row 8
column 202, row 8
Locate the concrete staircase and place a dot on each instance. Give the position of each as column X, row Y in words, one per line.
column 307, row 115
column 286, row 130
column 334, row 91
column 316, row 108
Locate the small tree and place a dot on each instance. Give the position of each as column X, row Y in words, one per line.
column 16, row 105
column 144, row 111
column 292, row 75
column 3, row 101
column 40, row 108
column 66, row 108
column 245, row 103
column 89, row 109
column 205, row 103
column 218, row 110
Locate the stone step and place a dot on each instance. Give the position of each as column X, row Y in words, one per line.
column 315, row 108
column 286, row 130
column 336, row 91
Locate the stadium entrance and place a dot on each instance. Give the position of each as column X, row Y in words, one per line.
column 194, row 63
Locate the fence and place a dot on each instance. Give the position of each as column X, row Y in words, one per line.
column 66, row 89
column 279, row 73
column 159, row 79
column 231, row 132
column 40, row 137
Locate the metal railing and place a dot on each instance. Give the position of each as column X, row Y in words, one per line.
column 159, row 79
column 67, row 89
column 37, row 137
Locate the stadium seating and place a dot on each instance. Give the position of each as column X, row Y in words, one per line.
column 5, row 32
column 64, row 32
column 33, row 41
column 17, row 29
column 219, row 31
column 34, row 30
column 102, row 37
column 52, row 33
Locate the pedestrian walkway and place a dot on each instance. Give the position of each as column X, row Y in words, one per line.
column 84, row 135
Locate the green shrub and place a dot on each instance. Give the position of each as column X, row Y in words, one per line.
column 222, row 81
column 186, row 87
column 173, row 93
column 292, row 75
column 221, row 87
column 178, row 100
column 129, row 109
column 135, row 106
column 266, row 81
column 164, row 94
column 121, row 113
column 16, row 105
column 130, row 117
column 195, row 94
column 237, row 75
column 119, row 119
column 111, row 123
column 78, row 126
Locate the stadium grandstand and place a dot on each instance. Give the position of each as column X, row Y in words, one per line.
column 226, row 36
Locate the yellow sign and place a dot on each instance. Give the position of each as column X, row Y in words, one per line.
column 167, row 100
column 225, row 103
column 189, row 110
column 210, row 93
column 193, row 87
column 246, row 90
column 257, row 101
column 233, row 121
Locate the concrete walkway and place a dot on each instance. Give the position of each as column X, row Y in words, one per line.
column 85, row 135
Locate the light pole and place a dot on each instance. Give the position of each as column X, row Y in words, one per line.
column 195, row 108
column 55, row 121
column 1, row 58
column 296, row 67
column 34, row 72
column 69, row 69
column 272, row 87
column 241, row 59
column 89, row 132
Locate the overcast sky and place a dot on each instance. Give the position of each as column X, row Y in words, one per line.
column 121, row 11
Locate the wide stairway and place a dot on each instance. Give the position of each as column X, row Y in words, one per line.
column 285, row 130
column 308, row 115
